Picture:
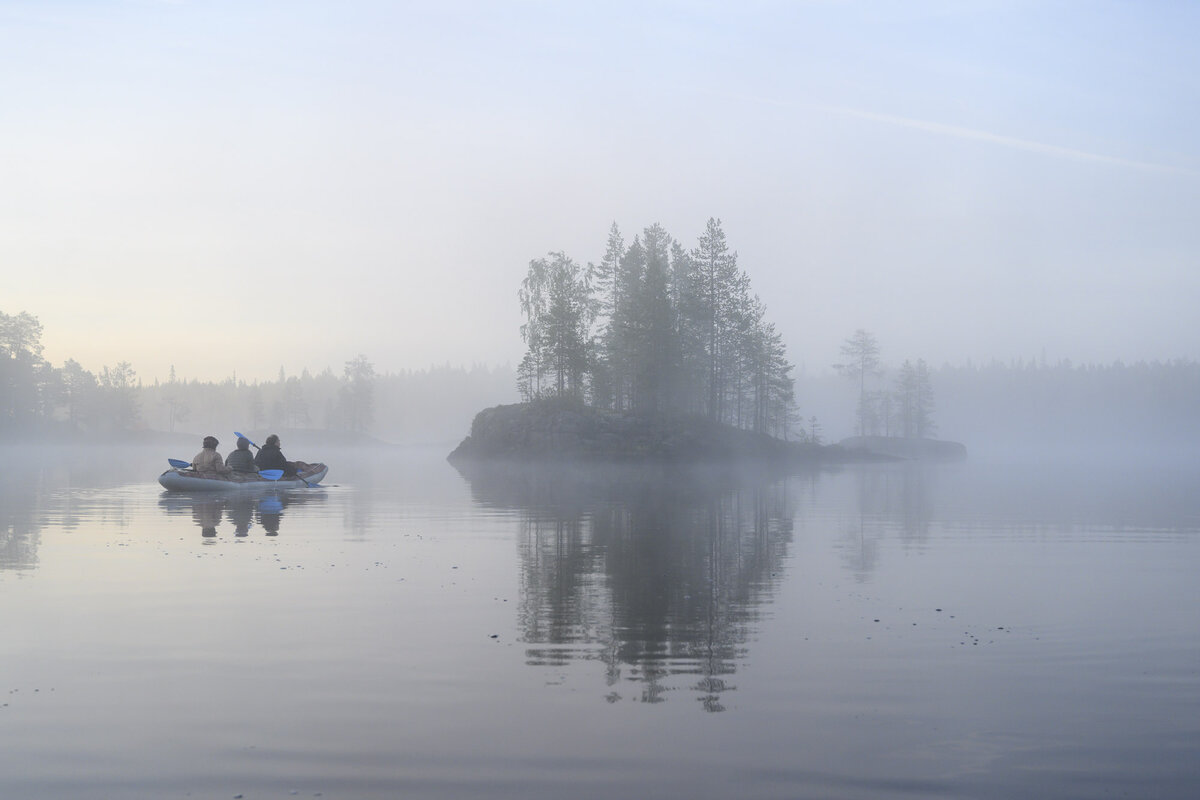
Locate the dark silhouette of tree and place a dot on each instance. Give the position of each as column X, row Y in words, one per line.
column 604, row 279
column 559, row 312
column 712, row 303
column 119, row 391
column 358, row 394
column 861, row 358
column 914, row 394
column 654, row 358
column 22, row 376
column 656, row 329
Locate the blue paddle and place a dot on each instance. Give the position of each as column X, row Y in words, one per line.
column 247, row 438
column 265, row 471
column 178, row 463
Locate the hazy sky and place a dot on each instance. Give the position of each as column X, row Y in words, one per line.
column 239, row 186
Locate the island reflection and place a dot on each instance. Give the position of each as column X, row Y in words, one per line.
column 653, row 571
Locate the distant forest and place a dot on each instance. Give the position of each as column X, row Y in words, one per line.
column 38, row 400
column 987, row 406
column 1026, row 405
column 656, row 329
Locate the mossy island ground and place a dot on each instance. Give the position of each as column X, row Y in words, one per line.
column 558, row 430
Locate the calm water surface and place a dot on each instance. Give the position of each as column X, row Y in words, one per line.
column 971, row 630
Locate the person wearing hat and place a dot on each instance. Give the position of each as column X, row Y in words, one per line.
column 209, row 460
column 241, row 460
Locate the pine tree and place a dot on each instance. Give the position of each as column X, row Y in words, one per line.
column 358, row 394
column 914, row 391
column 622, row 346
column 656, row 361
column 861, row 358
column 656, row 329
column 605, row 285
column 713, row 289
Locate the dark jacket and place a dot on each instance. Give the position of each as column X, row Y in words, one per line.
column 240, row 461
column 271, row 457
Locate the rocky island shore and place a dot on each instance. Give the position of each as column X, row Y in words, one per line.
column 549, row 430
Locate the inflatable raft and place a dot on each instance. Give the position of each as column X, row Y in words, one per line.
column 186, row 480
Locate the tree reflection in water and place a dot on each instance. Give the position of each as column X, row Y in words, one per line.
column 653, row 571
column 894, row 499
column 21, row 494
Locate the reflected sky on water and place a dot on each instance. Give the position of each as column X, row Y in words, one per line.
column 966, row 630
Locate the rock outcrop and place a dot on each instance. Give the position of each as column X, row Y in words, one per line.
column 550, row 430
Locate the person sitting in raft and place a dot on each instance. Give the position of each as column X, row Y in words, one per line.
column 241, row 460
column 269, row 456
column 209, row 460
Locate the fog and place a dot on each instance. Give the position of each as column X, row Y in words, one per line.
column 228, row 190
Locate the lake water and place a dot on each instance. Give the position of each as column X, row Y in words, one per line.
column 969, row 630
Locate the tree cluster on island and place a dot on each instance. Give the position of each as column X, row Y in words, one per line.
column 658, row 331
column 905, row 410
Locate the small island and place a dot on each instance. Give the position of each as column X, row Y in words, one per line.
column 663, row 355
column 556, row 430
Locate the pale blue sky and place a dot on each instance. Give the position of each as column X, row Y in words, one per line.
column 238, row 186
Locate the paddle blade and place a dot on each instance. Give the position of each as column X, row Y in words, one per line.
column 242, row 436
column 178, row 464
column 271, row 505
column 271, row 474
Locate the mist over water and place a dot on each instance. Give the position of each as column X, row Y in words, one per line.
column 674, row 229
column 976, row 629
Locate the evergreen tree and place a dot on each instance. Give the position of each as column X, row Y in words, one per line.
column 566, row 327
column 119, row 390
column 914, row 390
column 358, row 395
column 605, row 277
column 654, row 364
column 295, row 404
column 656, row 329
column 622, row 346
column 773, row 389
column 714, row 290
column 79, row 393
column 605, row 285
column 861, row 358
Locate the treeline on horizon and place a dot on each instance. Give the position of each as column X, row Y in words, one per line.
column 1142, row 403
column 1031, row 404
column 39, row 400
column 1031, row 401
column 657, row 330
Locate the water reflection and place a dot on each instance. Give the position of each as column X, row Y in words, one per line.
column 654, row 573
column 19, row 521
column 237, row 513
column 890, row 500
column 24, row 494
column 56, row 486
